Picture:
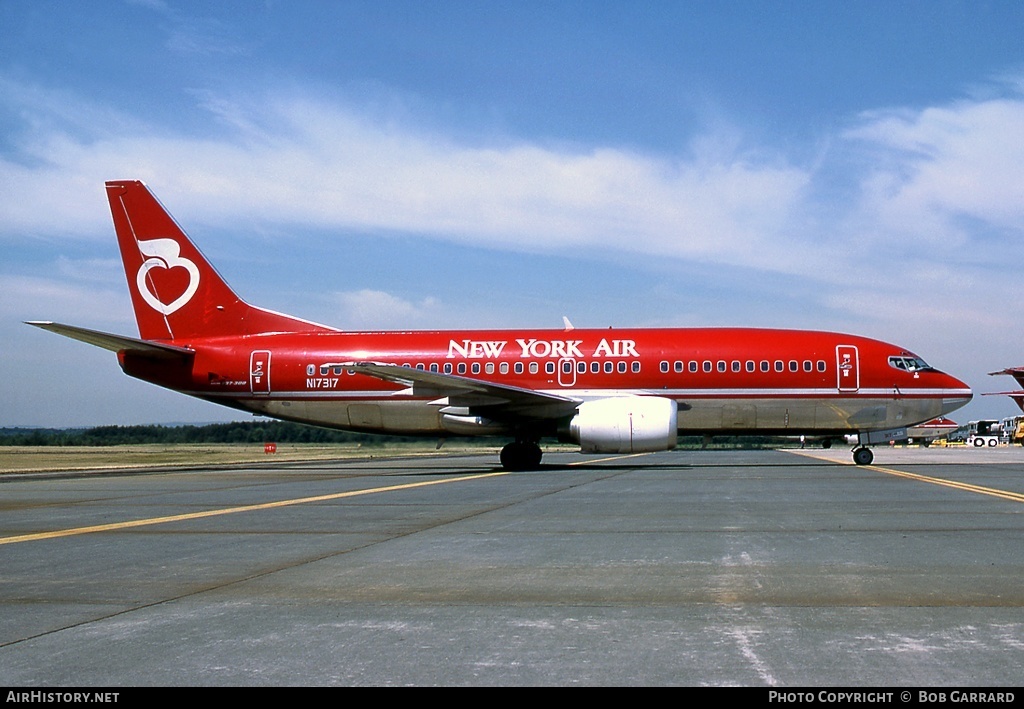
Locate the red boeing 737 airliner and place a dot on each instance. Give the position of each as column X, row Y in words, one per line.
column 610, row 391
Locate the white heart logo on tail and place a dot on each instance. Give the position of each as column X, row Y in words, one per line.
column 165, row 253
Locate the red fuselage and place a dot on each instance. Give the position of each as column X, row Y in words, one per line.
column 724, row 379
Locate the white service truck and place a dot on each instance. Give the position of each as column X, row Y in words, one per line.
column 984, row 433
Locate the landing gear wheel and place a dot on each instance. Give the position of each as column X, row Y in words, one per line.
column 521, row 455
column 863, row 456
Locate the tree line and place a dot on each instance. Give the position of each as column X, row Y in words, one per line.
column 269, row 432
column 235, row 432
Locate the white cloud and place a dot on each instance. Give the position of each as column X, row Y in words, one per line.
column 306, row 162
column 75, row 301
column 934, row 177
column 376, row 309
column 918, row 183
column 941, row 165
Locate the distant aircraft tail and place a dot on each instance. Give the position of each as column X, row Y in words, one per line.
column 1017, row 396
column 176, row 293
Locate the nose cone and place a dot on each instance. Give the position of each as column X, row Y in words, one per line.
column 955, row 394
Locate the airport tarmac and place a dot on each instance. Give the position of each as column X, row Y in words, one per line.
column 771, row 568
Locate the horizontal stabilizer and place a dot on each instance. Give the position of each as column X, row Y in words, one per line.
column 1017, row 396
column 1015, row 372
column 114, row 343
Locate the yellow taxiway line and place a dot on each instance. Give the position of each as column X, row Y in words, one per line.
column 115, row 526
column 990, row 491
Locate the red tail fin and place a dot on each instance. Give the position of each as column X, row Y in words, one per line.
column 175, row 291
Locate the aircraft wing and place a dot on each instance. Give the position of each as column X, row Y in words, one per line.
column 450, row 390
column 114, row 343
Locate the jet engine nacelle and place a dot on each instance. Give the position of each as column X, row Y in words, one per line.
column 628, row 424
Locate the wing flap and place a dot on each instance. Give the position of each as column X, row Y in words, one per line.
column 452, row 390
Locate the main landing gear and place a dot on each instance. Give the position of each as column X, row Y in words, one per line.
column 863, row 456
column 521, row 455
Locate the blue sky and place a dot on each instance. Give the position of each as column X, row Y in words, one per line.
column 822, row 165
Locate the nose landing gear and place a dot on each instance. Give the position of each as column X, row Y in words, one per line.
column 863, row 456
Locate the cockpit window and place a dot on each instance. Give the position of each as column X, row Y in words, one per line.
column 908, row 363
